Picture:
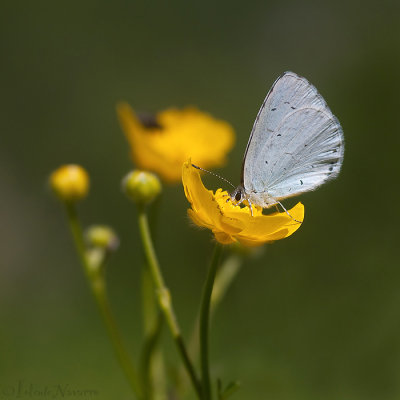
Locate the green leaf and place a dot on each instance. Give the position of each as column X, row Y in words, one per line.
column 231, row 388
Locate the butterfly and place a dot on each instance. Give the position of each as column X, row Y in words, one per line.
column 295, row 146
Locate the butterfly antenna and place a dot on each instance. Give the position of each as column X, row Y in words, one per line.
column 287, row 212
column 213, row 173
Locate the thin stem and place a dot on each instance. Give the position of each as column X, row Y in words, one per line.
column 204, row 323
column 150, row 309
column 148, row 352
column 225, row 276
column 152, row 324
column 164, row 298
column 116, row 340
column 97, row 285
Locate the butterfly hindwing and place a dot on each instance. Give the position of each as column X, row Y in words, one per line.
column 296, row 143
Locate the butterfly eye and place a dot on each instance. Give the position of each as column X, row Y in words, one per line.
column 238, row 196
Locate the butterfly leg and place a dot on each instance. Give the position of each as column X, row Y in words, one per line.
column 287, row 212
column 251, row 207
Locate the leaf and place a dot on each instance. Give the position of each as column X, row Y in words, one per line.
column 231, row 388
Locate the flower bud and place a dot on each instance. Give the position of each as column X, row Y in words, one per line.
column 102, row 236
column 95, row 257
column 142, row 187
column 70, row 182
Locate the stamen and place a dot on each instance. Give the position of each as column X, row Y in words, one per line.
column 149, row 120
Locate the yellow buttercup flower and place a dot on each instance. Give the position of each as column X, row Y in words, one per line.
column 70, row 182
column 161, row 144
column 230, row 223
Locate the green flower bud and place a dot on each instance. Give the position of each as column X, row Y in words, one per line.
column 142, row 187
column 102, row 236
column 70, row 183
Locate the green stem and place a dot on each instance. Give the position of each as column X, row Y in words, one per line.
column 98, row 287
column 204, row 323
column 148, row 352
column 226, row 274
column 150, row 309
column 164, row 298
column 152, row 324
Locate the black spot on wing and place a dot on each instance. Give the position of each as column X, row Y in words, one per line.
column 273, row 109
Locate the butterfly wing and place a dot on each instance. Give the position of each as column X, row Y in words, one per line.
column 296, row 143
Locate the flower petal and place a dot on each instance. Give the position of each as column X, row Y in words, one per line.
column 223, row 237
column 264, row 225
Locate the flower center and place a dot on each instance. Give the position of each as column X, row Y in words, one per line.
column 149, row 120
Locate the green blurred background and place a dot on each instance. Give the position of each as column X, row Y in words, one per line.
column 317, row 316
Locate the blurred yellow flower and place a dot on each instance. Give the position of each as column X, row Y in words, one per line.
column 231, row 223
column 161, row 144
column 70, row 182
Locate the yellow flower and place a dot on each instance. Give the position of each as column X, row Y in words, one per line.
column 70, row 182
column 231, row 223
column 163, row 143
